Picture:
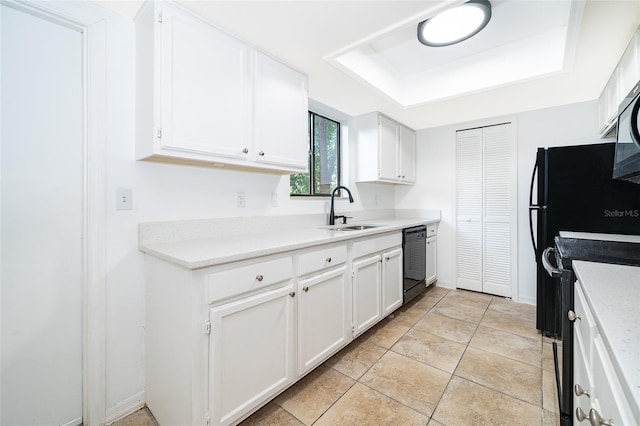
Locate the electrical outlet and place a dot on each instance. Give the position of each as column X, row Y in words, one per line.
column 240, row 199
column 124, row 199
column 274, row 199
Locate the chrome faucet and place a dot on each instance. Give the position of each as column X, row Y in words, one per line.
column 332, row 215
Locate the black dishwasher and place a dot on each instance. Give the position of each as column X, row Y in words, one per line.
column 415, row 261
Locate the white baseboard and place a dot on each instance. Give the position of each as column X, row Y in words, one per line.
column 527, row 300
column 444, row 284
column 74, row 422
column 126, row 407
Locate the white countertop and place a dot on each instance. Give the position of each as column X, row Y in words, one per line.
column 613, row 294
column 203, row 252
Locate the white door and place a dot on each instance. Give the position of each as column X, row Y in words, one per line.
column 252, row 347
column 41, row 220
column 486, row 210
column 432, row 260
column 205, row 87
column 469, row 209
column 499, row 215
column 281, row 115
column 407, row 154
column 322, row 317
column 388, row 149
column 366, row 293
column 392, row 280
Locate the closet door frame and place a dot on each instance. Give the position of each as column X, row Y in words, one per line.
column 92, row 22
column 513, row 200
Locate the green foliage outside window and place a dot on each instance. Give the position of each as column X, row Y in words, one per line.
column 324, row 159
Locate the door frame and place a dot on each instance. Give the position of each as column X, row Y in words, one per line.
column 91, row 22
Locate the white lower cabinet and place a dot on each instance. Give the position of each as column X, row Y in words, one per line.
column 431, row 272
column 366, row 294
column 252, row 351
column 377, row 280
column 597, row 392
column 324, row 304
column 323, row 326
column 223, row 341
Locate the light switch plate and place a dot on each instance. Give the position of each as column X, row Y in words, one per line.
column 240, row 199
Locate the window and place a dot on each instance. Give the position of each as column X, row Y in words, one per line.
column 324, row 159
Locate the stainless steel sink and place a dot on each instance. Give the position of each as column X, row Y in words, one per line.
column 355, row 227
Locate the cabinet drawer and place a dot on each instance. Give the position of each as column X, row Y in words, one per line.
column 431, row 230
column 322, row 258
column 375, row 244
column 585, row 326
column 247, row 278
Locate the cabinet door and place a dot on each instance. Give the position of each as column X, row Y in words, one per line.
column 387, row 149
column 580, row 378
column 366, row 293
column 609, row 397
column 281, row 115
column 469, row 209
column 391, row 281
column 407, row 154
column 431, row 253
column 628, row 70
column 204, row 87
column 322, row 317
column 251, row 353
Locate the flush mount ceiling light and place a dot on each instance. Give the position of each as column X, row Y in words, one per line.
column 456, row 24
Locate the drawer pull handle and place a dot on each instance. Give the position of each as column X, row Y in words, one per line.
column 305, row 289
column 328, row 260
column 579, row 391
column 573, row 316
column 292, row 294
column 261, row 153
column 580, row 415
column 596, row 420
column 259, row 277
column 245, row 151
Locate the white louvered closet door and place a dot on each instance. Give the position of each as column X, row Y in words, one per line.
column 486, row 206
column 469, row 209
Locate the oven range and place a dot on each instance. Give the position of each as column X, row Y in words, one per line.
column 557, row 260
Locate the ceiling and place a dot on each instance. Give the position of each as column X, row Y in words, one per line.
column 362, row 56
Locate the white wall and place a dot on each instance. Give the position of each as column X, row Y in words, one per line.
column 565, row 125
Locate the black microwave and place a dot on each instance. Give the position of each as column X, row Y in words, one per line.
column 626, row 164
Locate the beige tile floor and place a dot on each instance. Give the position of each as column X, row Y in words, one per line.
column 450, row 357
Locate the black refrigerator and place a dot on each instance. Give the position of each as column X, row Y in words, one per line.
column 572, row 189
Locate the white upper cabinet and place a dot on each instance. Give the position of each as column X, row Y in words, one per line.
column 608, row 107
column 407, row 154
column 281, row 115
column 387, row 147
column 628, row 71
column 623, row 79
column 386, row 150
column 196, row 90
